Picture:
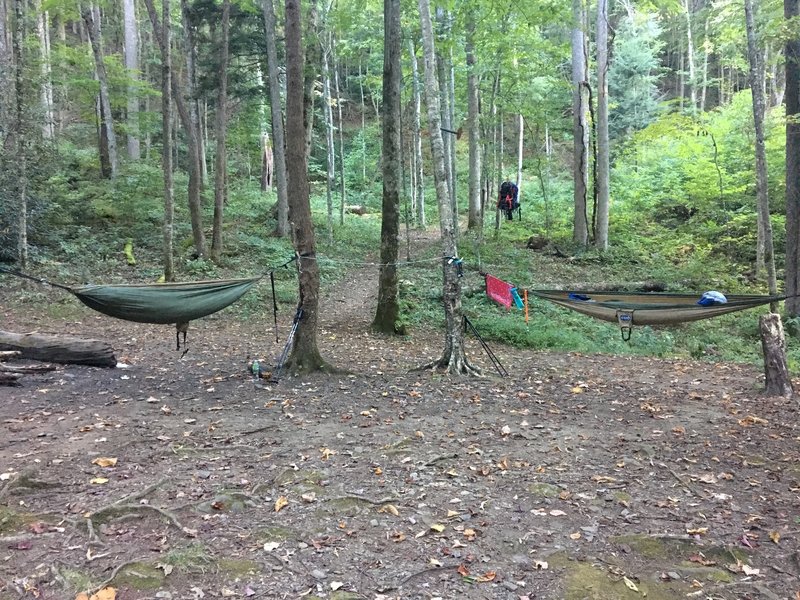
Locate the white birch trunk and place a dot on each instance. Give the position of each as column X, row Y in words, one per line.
column 580, row 121
column 603, row 193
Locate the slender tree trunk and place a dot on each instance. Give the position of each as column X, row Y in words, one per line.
column 363, row 108
column 520, row 147
column 687, row 9
column 192, row 141
column 340, row 121
column 282, row 225
column 706, row 54
column 132, row 66
column 580, row 120
column 190, row 53
column 166, row 153
column 418, row 172
column 387, row 314
column 762, row 191
column 304, row 356
column 46, row 84
column 603, row 193
column 93, row 31
column 791, row 11
column 19, row 134
column 475, row 219
column 313, row 60
column 330, row 148
column 453, row 359
column 220, row 167
column 6, row 75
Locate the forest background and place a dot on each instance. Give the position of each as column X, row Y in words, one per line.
column 103, row 104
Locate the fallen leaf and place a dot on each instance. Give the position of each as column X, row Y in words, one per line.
column 775, row 536
column 488, row 576
column 752, row 420
column 280, row 503
column 389, row 508
column 575, row 536
column 309, row 497
column 700, row 559
column 470, row 534
column 378, row 471
column 748, row 570
column 327, row 453
column 107, row 593
column 270, row 546
column 82, row 596
column 506, row 430
column 99, row 480
column 577, row 390
column 398, row 536
column 630, row 584
column 603, row 479
column 437, row 527
column 463, row 570
column 557, row 513
column 697, row 531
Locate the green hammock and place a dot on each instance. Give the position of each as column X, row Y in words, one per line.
column 163, row 303
column 629, row 309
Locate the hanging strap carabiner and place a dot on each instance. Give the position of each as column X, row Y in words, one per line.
column 625, row 320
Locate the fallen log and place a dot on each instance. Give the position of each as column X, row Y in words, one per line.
column 59, row 349
column 27, row 369
column 8, row 354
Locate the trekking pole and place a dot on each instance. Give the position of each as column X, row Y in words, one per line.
column 282, row 359
column 274, row 303
column 492, row 357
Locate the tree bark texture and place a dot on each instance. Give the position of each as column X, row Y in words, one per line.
column 330, row 149
column 276, row 113
column 304, row 356
column 387, row 313
column 107, row 122
column 791, row 10
column 603, row 192
column 167, row 231
column 580, row 126
column 419, row 182
column 453, row 359
column 221, row 131
column 313, row 60
column 762, row 191
column 690, row 59
column 59, row 349
column 132, row 66
column 46, row 84
column 475, row 215
column 777, row 379
column 20, row 133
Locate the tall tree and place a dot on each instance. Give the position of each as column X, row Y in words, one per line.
column 221, row 129
column 330, row 145
column 690, row 58
column 132, row 65
column 580, row 124
column 165, row 42
column 419, row 183
column 46, row 83
column 276, row 113
column 388, row 310
column 304, row 356
column 453, row 359
column 603, row 193
column 19, row 132
column 6, row 75
column 192, row 140
column 475, row 218
column 791, row 11
column 91, row 18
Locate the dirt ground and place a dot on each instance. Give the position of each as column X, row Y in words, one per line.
column 575, row 477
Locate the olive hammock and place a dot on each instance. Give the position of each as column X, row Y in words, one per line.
column 158, row 303
column 629, row 309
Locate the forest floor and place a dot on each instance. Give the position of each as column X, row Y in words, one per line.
column 574, row 477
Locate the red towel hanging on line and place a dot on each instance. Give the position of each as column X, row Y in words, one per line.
column 499, row 291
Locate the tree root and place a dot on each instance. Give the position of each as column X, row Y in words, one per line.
column 380, row 502
column 402, row 582
column 172, row 519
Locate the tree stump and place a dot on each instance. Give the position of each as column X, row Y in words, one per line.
column 59, row 349
column 773, row 343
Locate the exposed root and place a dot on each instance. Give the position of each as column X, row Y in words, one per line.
column 113, row 575
column 402, row 582
column 380, row 502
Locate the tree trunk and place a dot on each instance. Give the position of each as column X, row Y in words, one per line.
column 132, row 66
column 777, row 379
column 20, row 145
column 340, row 121
column 363, row 107
column 330, row 148
column 46, row 84
column 304, row 356
column 313, row 59
column 520, row 146
column 6, row 75
column 687, row 9
column 93, row 31
column 791, row 10
column 453, row 359
column 580, row 121
column 59, row 349
column 603, row 193
column 419, row 181
column 168, row 228
column 475, row 219
column 220, row 166
column 706, row 54
column 276, row 112
column 192, row 142
column 387, row 314
column 762, row 191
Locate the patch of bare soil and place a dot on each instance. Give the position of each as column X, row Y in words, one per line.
column 576, row 477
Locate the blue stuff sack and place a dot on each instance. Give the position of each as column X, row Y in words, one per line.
column 712, row 298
